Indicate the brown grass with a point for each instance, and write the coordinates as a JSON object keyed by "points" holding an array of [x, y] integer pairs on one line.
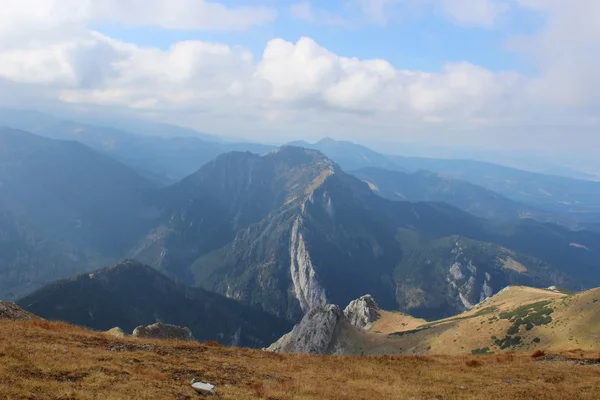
{"points": [[42, 360], [473, 363]]}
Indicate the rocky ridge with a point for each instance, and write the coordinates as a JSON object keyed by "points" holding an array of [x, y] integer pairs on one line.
{"points": [[329, 330]]}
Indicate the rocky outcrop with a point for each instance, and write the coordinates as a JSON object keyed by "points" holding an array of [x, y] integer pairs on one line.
{"points": [[13, 312], [362, 312], [314, 334], [163, 331], [467, 285], [308, 291]]}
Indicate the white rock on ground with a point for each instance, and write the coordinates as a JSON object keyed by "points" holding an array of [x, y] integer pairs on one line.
{"points": [[205, 389]]}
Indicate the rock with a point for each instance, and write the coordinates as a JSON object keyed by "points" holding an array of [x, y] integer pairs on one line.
{"points": [[163, 331], [117, 332], [205, 389], [314, 334], [13, 312], [362, 312]]}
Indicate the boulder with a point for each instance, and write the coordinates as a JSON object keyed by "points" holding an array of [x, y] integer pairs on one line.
{"points": [[117, 332], [205, 389], [362, 312], [163, 331]]}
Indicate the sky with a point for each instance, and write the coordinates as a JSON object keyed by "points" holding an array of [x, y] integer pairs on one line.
{"points": [[496, 74]]}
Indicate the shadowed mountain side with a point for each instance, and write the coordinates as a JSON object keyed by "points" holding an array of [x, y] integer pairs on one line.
{"points": [[130, 294]]}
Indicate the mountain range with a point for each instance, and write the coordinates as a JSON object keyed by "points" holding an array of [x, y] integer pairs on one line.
{"points": [[290, 230], [567, 197], [161, 158], [285, 232]]}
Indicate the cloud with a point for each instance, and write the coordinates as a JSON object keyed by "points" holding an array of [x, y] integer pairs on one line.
{"points": [[305, 11], [376, 10], [469, 13], [565, 52], [474, 13], [173, 14]]}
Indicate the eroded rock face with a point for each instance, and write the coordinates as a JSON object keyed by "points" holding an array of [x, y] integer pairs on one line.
{"points": [[308, 291], [362, 312], [163, 331], [13, 312], [314, 334]]}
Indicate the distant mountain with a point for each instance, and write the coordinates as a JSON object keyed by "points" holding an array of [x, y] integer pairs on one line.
{"points": [[130, 294], [348, 155], [63, 207], [161, 158], [580, 198], [430, 186], [290, 230]]}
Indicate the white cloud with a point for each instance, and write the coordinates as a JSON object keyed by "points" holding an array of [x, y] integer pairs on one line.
{"points": [[565, 51], [173, 14]]}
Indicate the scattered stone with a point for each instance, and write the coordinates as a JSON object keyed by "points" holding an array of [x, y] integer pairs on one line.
{"points": [[205, 389], [362, 312], [163, 331], [131, 347]]}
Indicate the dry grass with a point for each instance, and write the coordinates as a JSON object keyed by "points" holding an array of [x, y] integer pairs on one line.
{"points": [[44, 360]]}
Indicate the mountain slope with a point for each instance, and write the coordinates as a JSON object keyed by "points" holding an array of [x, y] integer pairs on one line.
{"points": [[161, 152], [130, 294], [430, 186], [290, 230], [552, 193], [63, 207], [518, 318]]}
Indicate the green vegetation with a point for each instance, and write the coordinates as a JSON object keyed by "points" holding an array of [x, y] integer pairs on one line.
{"points": [[485, 350], [508, 341], [529, 315]]}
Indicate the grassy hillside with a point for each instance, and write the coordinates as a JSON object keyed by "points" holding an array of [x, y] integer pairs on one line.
{"points": [[45, 360], [518, 318]]}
